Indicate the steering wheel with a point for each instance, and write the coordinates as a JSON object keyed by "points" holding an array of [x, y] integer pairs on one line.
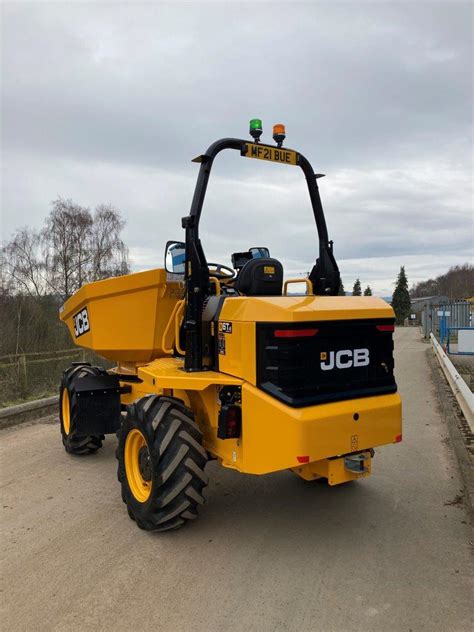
{"points": [[221, 272]]}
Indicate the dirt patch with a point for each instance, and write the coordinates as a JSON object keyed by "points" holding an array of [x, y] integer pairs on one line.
{"points": [[457, 501]]}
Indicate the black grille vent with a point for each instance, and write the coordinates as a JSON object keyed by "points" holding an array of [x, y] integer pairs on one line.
{"points": [[289, 359]]}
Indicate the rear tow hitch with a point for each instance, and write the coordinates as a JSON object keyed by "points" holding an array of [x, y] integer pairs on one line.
{"points": [[355, 463]]}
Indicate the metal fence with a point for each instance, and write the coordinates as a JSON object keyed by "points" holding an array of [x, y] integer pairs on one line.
{"points": [[437, 319], [459, 341]]}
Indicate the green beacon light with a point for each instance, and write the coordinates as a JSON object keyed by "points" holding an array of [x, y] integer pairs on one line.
{"points": [[256, 129]]}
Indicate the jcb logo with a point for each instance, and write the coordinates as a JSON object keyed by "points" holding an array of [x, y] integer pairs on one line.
{"points": [[344, 359], [81, 322]]}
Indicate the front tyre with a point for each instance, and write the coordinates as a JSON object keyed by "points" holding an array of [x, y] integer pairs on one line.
{"points": [[68, 413], [161, 463]]}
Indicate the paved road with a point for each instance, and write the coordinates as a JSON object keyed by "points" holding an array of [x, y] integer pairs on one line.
{"points": [[268, 554]]}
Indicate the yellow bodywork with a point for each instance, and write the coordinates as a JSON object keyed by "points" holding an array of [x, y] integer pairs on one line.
{"points": [[275, 435], [128, 317], [294, 309]]}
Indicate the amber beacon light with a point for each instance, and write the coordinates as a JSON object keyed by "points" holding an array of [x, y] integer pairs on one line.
{"points": [[279, 134]]}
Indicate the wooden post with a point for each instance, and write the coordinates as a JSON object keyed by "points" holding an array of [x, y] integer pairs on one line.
{"points": [[22, 376]]}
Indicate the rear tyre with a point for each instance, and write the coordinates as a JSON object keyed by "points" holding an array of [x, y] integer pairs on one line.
{"points": [[161, 463], [75, 444]]}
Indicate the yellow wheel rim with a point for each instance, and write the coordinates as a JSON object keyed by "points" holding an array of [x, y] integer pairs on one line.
{"points": [[66, 411], [135, 453]]}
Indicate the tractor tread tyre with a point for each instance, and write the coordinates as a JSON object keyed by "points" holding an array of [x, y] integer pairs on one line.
{"points": [[177, 458], [77, 444]]}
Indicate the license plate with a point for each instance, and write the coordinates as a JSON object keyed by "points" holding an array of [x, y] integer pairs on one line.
{"points": [[275, 154]]}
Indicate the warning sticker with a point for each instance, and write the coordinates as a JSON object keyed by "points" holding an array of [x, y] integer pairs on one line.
{"points": [[221, 344], [225, 327]]}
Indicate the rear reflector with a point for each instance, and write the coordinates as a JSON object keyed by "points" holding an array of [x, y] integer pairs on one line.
{"points": [[295, 333], [386, 327], [302, 459], [398, 438]]}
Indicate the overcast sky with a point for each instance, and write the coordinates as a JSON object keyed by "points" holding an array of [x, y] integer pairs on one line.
{"points": [[108, 103]]}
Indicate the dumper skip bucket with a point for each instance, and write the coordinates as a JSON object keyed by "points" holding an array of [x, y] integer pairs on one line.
{"points": [[124, 318]]}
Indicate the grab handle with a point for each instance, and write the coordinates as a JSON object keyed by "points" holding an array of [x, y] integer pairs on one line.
{"points": [[309, 286], [175, 319]]}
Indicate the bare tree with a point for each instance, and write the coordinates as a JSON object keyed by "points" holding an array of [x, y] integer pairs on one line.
{"points": [[66, 240], [38, 269], [109, 253], [6, 281], [24, 265], [74, 247]]}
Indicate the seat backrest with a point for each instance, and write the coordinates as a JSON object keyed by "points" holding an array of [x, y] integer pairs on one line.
{"points": [[260, 277]]}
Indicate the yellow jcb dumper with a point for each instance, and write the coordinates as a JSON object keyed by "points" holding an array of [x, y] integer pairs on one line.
{"points": [[214, 362]]}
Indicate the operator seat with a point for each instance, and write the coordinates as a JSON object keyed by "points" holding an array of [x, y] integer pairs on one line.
{"points": [[260, 277]]}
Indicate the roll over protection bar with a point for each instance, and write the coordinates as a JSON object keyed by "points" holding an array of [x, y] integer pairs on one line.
{"points": [[324, 276]]}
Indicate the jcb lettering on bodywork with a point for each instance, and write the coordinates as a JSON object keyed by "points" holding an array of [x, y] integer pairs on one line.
{"points": [[81, 322], [344, 359]]}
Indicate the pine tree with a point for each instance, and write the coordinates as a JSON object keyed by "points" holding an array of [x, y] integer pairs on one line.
{"points": [[341, 291], [357, 290], [401, 299], [368, 291]]}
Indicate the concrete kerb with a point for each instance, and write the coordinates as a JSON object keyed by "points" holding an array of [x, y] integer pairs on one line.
{"points": [[14, 415], [447, 404]]}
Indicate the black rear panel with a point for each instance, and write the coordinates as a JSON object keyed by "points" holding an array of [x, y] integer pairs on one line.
{"points": [[311, 363]]}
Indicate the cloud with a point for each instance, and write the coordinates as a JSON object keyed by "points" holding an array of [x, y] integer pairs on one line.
{"points": [[110, 105]]}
